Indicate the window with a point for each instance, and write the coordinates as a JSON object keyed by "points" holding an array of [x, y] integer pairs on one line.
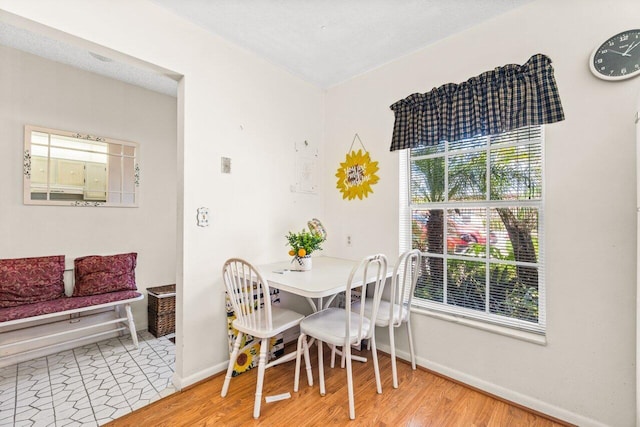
{"points": [[475, 210]]}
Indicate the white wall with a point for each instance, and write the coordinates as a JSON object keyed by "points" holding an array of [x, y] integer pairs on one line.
{"points": [[40, 92], [224, 88], [585, 372]]}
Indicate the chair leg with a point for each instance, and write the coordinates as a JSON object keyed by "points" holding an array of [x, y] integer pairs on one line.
{"points": [[346, 353], [333, 356], [321, 368], [376, 367], [296, 378], [411, 350], [392, 344], [307, 362], [262, 363], [232, 362]]}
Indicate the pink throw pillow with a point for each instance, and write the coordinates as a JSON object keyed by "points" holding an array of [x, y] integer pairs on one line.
{"points": [[102, 274], [29, 280]]}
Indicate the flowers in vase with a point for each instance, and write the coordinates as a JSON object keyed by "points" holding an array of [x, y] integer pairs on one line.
{"points": [[303, 243]]}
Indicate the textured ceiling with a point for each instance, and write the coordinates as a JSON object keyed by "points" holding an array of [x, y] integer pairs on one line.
{"points": [[324, 42], [70, 54], [329, 41]]}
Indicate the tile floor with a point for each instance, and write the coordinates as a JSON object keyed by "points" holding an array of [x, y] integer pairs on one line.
{"points": [[89, 385]]}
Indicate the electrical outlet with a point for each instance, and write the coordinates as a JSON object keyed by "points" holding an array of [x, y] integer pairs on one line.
{"points": [[203, 217], [349, 240]]}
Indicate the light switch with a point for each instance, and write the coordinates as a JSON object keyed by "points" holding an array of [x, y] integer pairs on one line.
{"points": [[225, 165]]}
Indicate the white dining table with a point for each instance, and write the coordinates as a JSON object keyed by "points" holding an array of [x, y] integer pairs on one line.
{"points": [[320, 285]]}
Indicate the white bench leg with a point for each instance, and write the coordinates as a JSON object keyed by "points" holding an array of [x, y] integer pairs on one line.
{"points": [[132, 325], [118, 311]]}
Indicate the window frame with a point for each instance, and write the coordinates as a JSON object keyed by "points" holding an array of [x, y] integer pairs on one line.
{"points": [[453, 312]]}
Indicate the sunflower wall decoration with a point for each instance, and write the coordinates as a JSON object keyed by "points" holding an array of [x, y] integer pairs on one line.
{"points": [[357, 173]]}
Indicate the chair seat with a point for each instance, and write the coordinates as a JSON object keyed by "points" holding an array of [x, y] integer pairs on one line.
{"points": [[329, 326], [399, 313], [282, 319]]}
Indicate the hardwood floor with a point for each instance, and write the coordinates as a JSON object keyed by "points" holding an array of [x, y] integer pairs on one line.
{"points": [[422, 399]]}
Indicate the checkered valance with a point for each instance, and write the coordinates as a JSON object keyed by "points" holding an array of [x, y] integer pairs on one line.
{"points": [[494, 102]]}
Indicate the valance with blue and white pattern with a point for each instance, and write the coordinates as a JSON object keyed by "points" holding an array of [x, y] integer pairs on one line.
{"points": [[494, 102]]}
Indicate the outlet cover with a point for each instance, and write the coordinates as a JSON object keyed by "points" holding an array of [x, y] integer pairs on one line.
{"points": [[203, 217]]}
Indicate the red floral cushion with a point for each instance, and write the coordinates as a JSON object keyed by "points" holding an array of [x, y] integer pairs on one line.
{"points": [[101, 274], [29, 280], [62, 304]]}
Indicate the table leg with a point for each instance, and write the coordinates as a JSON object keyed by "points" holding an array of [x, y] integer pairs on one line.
{"points": [[313, 304]]}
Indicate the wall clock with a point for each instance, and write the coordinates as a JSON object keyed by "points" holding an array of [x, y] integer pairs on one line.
{"points": [[617, 58]]}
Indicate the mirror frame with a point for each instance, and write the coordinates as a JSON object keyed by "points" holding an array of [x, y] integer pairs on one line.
{"points": [[27, 169]]}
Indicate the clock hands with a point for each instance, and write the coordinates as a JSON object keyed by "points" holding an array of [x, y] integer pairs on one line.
{"points": [[621, 53], [631, 47]]}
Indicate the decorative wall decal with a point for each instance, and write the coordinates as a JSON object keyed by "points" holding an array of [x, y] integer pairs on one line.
{"points": [[357, 173], [80, 203], [26, 164], [136, 175], [306, 167], [89, 137]]}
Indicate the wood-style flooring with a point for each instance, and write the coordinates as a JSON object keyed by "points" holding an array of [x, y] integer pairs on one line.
{"points": [[422, 399]]}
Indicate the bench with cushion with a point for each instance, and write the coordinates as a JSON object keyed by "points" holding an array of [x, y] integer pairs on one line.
{"points": [[38, 318]]}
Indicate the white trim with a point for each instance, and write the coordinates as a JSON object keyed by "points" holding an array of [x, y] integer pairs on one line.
{"points": [[484, 326], [404, 243], [182, 382], [637, 123]]}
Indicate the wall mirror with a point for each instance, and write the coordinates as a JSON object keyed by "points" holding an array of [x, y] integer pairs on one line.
{"points": [[73, 169]]}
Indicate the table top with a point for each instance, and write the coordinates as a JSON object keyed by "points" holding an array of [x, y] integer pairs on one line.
{"points": [[328, 276]]}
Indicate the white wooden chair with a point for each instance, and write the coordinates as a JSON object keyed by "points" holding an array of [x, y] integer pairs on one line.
{"points": [[396, 311], [346, 327], [248, 292]]}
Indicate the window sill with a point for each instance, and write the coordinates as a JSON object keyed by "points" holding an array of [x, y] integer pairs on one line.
{"points": [[496, 329]]}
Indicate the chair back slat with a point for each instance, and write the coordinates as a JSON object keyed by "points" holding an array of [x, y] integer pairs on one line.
{"points": [[249, 294], [403, 283], [371, 271]]}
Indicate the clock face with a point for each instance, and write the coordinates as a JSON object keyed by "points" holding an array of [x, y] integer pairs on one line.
{"points": [[618, 58]]}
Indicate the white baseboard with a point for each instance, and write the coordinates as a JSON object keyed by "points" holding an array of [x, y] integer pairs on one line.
{"points": [[496, 390], [179, 382]]}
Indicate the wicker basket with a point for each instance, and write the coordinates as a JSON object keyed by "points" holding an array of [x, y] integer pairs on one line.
{"points": [[161, 310], [162, 299]]}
